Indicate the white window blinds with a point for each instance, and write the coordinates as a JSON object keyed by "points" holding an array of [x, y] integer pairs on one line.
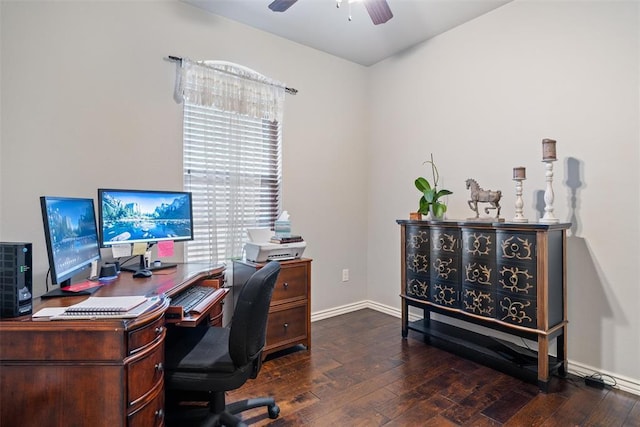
{"points": [[232, 166]]}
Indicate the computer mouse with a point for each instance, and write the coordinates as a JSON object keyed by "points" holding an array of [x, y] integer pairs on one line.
{"points": [[142, 273]]}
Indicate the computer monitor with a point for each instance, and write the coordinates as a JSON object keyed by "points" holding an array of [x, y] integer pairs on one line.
{"points": [[144, 216], [71, 237]]}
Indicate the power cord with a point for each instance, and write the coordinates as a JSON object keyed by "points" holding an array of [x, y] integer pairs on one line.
{"points": [[597, 380]]}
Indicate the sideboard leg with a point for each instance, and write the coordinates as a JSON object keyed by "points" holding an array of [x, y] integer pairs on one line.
{"points": [[543, 362], [561, 343], [405, 319]]}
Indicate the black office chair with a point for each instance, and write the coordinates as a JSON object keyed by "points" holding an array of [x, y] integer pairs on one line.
{"points": [[203, 363]]}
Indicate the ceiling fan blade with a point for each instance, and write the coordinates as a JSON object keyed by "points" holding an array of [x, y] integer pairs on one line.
{"points": [[379, 11], [281, 5]]}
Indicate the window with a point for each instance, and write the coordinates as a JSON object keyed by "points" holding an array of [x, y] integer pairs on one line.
{"points": [[232, 153], [232, 166]]}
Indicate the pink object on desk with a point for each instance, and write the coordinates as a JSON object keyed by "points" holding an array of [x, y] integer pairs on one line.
{"points": [[77, 287], [165, 248]]}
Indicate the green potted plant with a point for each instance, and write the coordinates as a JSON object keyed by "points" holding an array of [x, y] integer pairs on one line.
{"points": [[430, 199]]}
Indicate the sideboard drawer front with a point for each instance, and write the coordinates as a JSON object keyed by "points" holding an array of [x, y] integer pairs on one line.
{"points": [[516, 310], [516, 247], [145, 373], [444, 294], [291, 284], [479, 301], [418, 262], [417, 287], [517, 278], [445, 241], [417, 239], [479, 244], [445, 268], [287, 325], [478, 272]]}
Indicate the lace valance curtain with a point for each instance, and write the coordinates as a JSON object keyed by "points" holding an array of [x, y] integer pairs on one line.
{"points": [[230, 87]]}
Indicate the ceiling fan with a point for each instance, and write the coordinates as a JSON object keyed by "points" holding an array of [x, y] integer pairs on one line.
{"points": [[378, 10]]}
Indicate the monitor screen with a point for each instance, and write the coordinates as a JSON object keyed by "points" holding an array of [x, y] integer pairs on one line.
{"points": [[71, 236], [137, 216]]}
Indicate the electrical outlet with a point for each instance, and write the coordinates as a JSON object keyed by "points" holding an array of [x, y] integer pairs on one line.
{"points": [[345, 275]]}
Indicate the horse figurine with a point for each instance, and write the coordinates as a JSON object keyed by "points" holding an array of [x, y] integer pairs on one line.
{"points": [[480, 195]]}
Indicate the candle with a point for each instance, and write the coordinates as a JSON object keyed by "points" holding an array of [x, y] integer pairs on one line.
{"points": [[548, 149], [519, 173]]}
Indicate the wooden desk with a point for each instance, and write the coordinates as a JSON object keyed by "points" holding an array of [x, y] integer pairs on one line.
{"points": [[92, 372]]}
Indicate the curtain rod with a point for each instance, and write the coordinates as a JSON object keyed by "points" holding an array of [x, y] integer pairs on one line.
{"points": [[289, 90]]}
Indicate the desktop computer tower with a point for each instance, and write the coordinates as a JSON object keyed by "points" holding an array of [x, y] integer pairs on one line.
{"points": [[16, 284]]}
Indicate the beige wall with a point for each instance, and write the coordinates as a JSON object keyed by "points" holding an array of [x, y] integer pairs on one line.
{"points": [[481, 98], [87, 103]]}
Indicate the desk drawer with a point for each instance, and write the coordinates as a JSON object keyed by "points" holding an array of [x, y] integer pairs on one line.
{"points": [[145, 335], [151, 414], [291, 284], [286, 326], [144, 373]]}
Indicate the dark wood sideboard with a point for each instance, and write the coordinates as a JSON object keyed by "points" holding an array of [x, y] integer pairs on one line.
{"points": [[506, 277]]}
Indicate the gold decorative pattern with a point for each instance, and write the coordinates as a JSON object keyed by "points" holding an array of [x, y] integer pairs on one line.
{"points": [[443, 267], [518, 279], [445, 242], [516, 247], [478, 273], [445, 295], [515, 310], [418, 288], [416, 240], [418, 263], [481, 244], [481, 303]]}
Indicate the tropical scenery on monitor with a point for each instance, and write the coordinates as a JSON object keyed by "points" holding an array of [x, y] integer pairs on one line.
{"points": [[72, 228], [145, 216]]}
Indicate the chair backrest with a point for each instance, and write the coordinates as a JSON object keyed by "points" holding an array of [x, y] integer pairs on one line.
{"points": [[249, 324]]}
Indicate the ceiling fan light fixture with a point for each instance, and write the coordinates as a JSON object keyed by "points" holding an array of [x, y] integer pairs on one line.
{"points": [[281, 5], [379, 11]]}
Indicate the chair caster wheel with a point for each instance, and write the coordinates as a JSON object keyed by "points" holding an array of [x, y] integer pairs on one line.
{"points": [[274, 411]]}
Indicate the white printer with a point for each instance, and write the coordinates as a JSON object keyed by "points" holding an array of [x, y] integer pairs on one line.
{"points": [[259, 248]]}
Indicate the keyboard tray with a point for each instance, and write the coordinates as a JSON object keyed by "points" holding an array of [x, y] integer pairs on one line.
{"points": [[176, 314]]}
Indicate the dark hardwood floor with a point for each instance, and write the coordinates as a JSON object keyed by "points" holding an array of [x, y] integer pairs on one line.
{"points": [[360, 372]]}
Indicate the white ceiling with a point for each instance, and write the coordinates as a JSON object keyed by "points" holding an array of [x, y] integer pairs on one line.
{"points": [[320, 25]]}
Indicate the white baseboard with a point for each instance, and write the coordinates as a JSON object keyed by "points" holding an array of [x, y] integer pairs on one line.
{"points": [[344, 309], [622, 383], [629, 385]]}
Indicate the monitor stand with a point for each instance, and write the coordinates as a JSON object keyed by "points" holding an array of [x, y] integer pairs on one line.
{"points": [[62, 292], [151, 268]]}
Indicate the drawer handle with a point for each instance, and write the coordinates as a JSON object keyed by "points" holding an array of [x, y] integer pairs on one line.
{"points": [[159, 367], [286, 325], [159, 414], [159, 330], [286, 285]]}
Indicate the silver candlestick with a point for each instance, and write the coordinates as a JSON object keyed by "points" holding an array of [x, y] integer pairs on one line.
{"points": [[519, 175], [548, 157]]}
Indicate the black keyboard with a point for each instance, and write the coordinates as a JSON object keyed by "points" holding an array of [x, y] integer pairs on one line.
{"points": [[191, 297]]}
